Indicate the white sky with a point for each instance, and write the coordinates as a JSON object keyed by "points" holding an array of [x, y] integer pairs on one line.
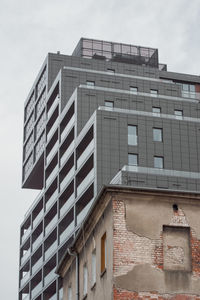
{"points": [[29, 29]]}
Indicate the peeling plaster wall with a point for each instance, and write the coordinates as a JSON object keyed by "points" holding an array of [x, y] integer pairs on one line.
{"points": [[139, 250]]}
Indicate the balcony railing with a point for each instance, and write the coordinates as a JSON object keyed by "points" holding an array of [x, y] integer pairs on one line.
{"points": [[26, 297], [25, 256], [67, 153], [53, 106], [54, 297], [67, 128], [38, 218], [53, 128], [67, 204], [52, 152], [37, 265], [67, 232], [36, 290], [49, 277], [37, 242], [52, 199], [83, 213], [26, 234], [52, 175], [25, 278], [51, 224], [85, 154], [88, 179], [67, 178], [50, 250]]}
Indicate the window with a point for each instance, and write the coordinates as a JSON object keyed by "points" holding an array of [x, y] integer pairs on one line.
{"points": [[109, 104], [69, 293], [132, 159], [157, 135], [178, 113], [85, 280], [90, 83], [93, 267], [158, 162], [133, 89], [154, 93], [103, 253], [111, 71], [132, 135], [156, 110]]}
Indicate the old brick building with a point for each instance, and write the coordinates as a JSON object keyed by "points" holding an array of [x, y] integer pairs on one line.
{"points": [[136, 243]]}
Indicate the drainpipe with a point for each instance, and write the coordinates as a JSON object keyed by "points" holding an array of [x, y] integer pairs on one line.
{"points": [[74, 253]]}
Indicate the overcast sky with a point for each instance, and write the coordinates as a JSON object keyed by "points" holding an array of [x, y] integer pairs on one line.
{"points": [[29, 29]]}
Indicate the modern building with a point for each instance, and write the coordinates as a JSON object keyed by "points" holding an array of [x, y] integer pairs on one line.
{"points": [[135, 243], [108, 113]]}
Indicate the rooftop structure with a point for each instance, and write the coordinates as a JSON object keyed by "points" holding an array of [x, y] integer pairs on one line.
{"points": [[109, 113]]}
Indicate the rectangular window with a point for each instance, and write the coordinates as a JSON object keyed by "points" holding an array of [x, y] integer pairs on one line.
{"points": [[103, 253], [133, 89], [154, 93], [85, 280], [157, 135], [158, 162], [109, 104], [93, 267], [69, 293], [132, 159], [90, 83], [132, 135], [111, 71], [156, 110], [178, 113]]}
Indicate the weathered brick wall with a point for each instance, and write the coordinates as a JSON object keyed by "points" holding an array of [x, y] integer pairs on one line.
{"points": [[131, 249]]}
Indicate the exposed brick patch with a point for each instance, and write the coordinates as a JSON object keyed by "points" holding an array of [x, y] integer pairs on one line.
{"points": [[120, 294], [195, 249]]}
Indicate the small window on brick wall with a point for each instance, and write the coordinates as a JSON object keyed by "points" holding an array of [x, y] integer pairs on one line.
{"points": [[103, 253]]}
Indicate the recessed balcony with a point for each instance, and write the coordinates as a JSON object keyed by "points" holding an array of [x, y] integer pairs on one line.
{"points": [[38, 218], [50, 250], [67, 128], [51, 224], [52, 175], [37, 242], [37, 265], [52, 199], [67, 205], [52, 152], [67, 153], [86, 153], [36, 290], [49, 277], [67, 178], [67, 232], [25, 256], [25, 278], [86, 181], [26, 234]]}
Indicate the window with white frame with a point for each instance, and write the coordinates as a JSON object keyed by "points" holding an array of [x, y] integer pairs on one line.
{"points": [[132, 159], [178, 113], [90, 83], [156, 110], [158, 162], [85, 279], [69, 293], [154, 93], [93, 267], [132, 135], [109, 104], [157, 135], [133, 89]]}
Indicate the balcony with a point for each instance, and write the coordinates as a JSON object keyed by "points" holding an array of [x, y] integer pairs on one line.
{"points": [[52, 108], [67, 205], [25, 256], [52, 175], [67, 232], [53, 128], [50, 250], [37, 265], [52, 152], [86, 181], [86, 153], [67, 128], [67, 178], [49, 277], [26, 297], [25, 278], [54, 297], [26, 234], [51, 224], [38, 218], [83, 213], [36, 290], [52, 199], [37, 242], [67, 153]]}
